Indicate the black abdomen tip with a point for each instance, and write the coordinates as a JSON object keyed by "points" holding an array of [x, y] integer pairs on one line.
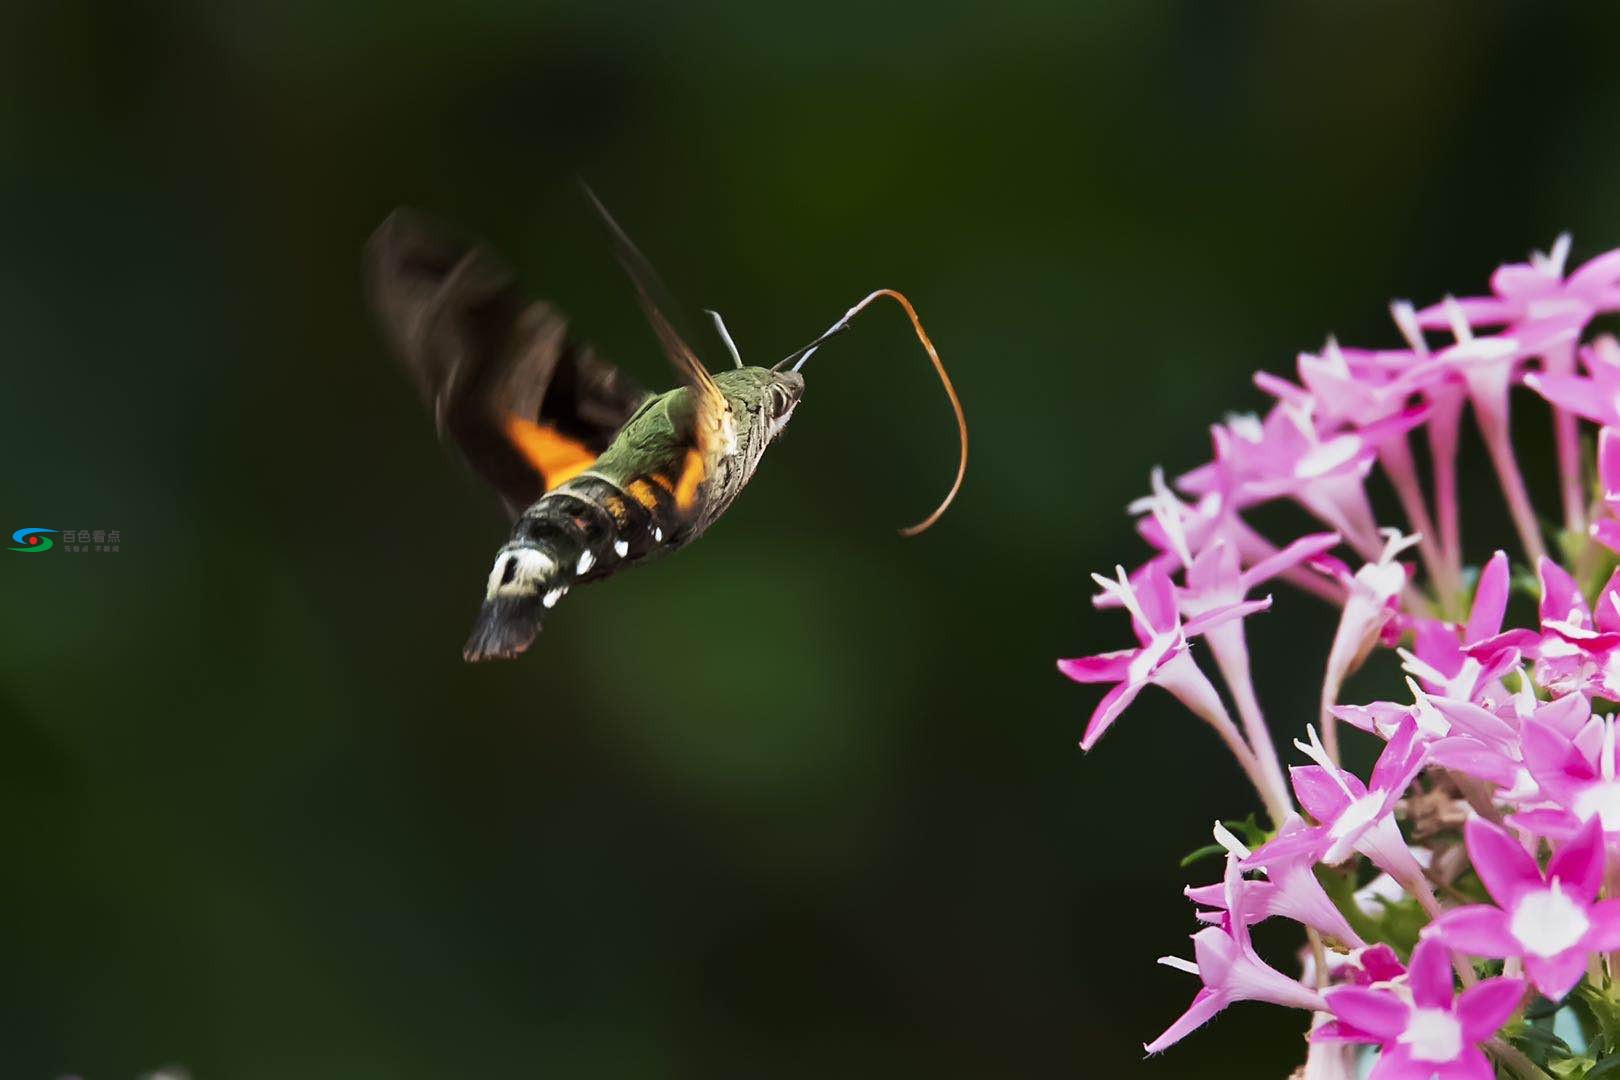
{"points": [[505, 627]]}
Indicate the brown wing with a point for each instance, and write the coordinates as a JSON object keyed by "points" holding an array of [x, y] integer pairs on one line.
{"points": [[714, 432], [528, 405]]}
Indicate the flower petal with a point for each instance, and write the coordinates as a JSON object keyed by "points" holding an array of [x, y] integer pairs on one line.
{"points": [[1429, 975], [1484, 1008], [1555, 976], [1377, 1012], [1500, 861], [1561, 599], [1490, 599], [1103, 667], [1320, 794], [1209, 620], [1604, 933], [1579, 863], [1478, 929], [1158, 599], [1203, 1008], [1400, 761], [1108, 710]]}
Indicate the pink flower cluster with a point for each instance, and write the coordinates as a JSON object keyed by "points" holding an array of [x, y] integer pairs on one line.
{"points": [[1476, 869]]}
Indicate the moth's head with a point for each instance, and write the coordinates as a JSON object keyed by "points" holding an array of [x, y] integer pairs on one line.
{"points": [[765, 397]]}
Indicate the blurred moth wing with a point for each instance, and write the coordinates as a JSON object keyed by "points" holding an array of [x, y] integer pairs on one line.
{"points": [[524, 402]]}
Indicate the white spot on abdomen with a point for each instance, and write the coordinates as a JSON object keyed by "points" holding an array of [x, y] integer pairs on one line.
{"points": [[527, 567], [621, 548], [586, 561]]}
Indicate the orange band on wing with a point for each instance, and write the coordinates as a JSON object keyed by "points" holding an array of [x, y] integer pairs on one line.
{"points": [[557, 458], [692, 474]]}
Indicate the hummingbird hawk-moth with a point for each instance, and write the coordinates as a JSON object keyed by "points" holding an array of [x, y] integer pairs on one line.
{"points": [[598, 473]]}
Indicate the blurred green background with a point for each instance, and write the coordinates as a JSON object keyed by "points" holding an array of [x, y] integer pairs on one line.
{"points": [[259, 819]]}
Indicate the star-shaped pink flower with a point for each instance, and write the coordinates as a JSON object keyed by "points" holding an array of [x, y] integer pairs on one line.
{"points": [[1231, 970], [1160, 656], [1430, 1034], [1553, 920]]}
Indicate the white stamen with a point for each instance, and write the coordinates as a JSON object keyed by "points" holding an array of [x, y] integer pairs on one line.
{"points": [[1233, 846], [1429, 720], [1606, 761], [1179, 964], [1167, 512], [1414, 666], [1406, 321], [1459, 321], [586, 561], [1553, 264], [1396, 542], [1318, 753], [1122, 591], [1246, 426], [621, 548]]}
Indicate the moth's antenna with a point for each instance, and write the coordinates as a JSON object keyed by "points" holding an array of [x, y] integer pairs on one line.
{"points": [[725, 335], [799, 356]]}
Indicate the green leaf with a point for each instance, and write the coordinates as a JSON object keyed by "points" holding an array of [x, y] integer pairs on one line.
{"points": [[1541, 1044], [1605, 1011], [1606, 1067], [1201, 853], [1251, 832], [1541, 1008]]}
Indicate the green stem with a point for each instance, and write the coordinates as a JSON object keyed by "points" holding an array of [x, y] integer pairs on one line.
{"points": [[1515, 1059]]}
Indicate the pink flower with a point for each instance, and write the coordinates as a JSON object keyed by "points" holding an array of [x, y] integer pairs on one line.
{"points": [[1578, 646], [1160, 657], [1217, 581], [1351, 387], [1577, 775], [1353, 817], [1481, 744], [1374, 964], [1537, 292], [1286, 456], [1461, 662], [1503, 713], [1371, 605], [1291, 891], [1552, 920], [1176, 529], [1607, 530], [1231, 970], [1431, 1035], [1595, 395]]}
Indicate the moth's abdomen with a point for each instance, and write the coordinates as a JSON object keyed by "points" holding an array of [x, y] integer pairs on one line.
{"points": [[585, 529]]}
